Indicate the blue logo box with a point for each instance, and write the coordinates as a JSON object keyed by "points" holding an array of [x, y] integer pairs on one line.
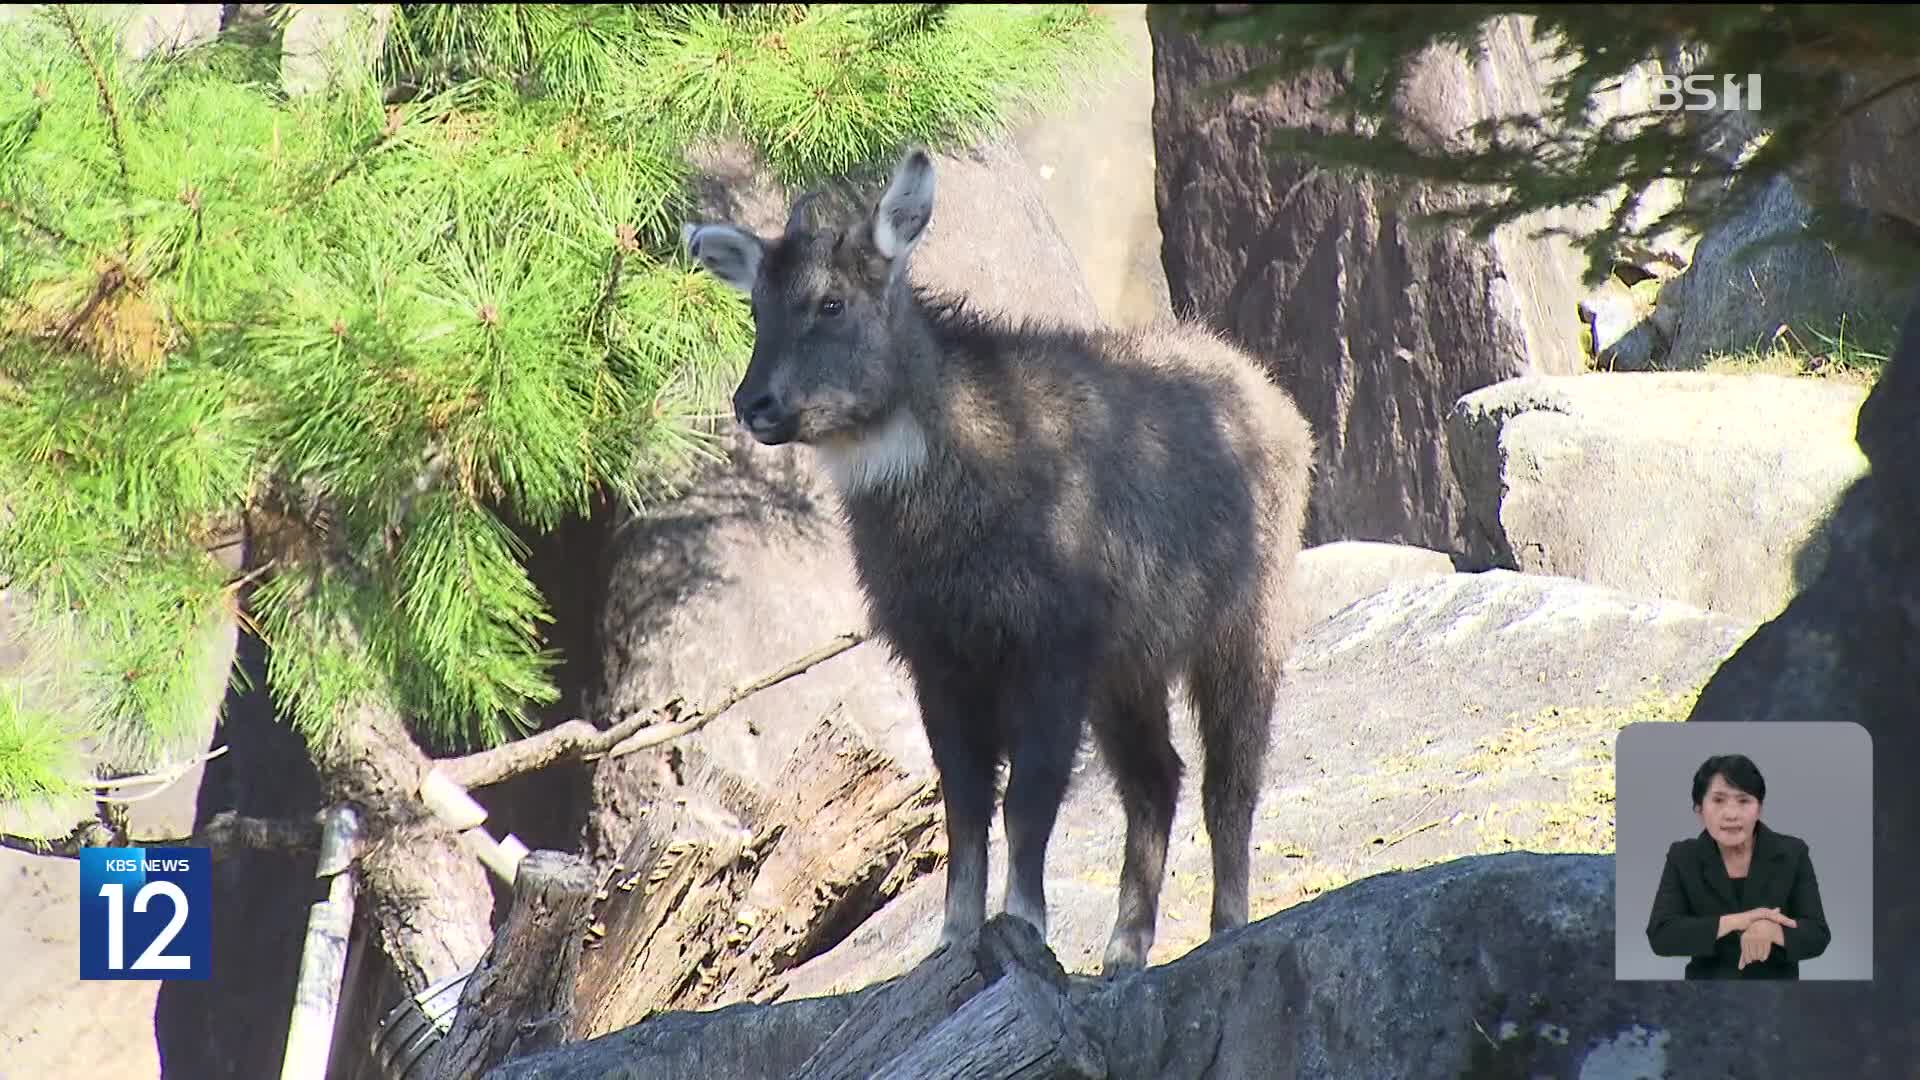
{"points": [[146, 913]]}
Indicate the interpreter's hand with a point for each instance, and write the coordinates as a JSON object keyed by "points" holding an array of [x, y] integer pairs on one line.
{"points": [[1764, 914], [1758, 940]]}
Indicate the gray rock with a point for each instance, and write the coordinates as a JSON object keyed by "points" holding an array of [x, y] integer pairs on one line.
{"points": [[1494, 966], [1095, 166], [1625, 335], [320, 38], [1759, 271], [1847, 649], [1329, 577], [167, 28], [1693, 487], [144, 29], [1870, 159]]}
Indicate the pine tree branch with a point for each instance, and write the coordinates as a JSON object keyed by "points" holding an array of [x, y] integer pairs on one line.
{"points": [[112, 112], [353, 162], [626, 242], [13, 210], [579, 739]]}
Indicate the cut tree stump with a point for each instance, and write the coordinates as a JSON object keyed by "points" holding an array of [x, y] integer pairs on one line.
{"points": [[1020, 1028], [521, 996], [690, 922], [923, 1020]]}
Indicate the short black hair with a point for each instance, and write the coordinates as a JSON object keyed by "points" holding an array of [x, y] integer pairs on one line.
{"points": [[1740, 771]]}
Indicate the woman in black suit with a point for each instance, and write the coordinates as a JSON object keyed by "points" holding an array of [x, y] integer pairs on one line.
{"points": [[1740, 900]]}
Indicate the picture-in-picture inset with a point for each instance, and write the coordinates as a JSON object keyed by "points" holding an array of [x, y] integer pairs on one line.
{"points": [[1744, 851]]}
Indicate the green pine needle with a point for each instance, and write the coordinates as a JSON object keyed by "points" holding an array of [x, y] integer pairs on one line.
{"points": [[388, 324], [39, 756]]}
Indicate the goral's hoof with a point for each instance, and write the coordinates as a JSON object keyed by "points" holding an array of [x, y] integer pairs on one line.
{"points": [[1124, 957]]}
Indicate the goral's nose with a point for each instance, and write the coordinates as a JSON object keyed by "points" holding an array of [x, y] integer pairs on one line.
{"points": [[767, 421]]}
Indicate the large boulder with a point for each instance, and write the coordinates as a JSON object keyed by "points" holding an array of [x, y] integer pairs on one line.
{"points": [[1694, 487], [145, 29], [1376, 328], [1441, 716], [1770, 271], [1490, 967], [1328, 577], [319, 39], [1847, 649], [1762, 274], [1869, 157], [750, 567]]}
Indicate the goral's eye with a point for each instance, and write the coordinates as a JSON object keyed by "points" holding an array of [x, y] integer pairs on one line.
{"points": [[831, 306]]}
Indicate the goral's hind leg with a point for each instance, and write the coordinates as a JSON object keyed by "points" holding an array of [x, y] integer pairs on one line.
{"points": [[1132, 732], [1233, 686]]}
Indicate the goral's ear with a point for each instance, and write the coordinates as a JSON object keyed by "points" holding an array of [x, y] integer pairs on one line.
{"points": [[900, 220], [729, 253]]}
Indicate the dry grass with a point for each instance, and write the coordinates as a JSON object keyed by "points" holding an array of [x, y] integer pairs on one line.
{"points": [[1847, 355], [1576, 747], [1543, 783]]}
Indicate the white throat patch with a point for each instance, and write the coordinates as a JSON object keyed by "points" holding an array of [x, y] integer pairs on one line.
{"points": [[890, 453]]}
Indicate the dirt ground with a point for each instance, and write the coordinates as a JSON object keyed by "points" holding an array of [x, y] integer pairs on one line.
{"points": [[53, 1026]]}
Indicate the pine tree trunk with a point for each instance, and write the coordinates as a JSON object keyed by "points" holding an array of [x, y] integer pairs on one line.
{"points": [[424, 891]]}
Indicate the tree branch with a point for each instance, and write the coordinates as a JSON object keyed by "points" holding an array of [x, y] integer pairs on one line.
{"points": [[667, 732], [580, 739], [113, 121], [164, 779], [14, 210], [226, 830]]}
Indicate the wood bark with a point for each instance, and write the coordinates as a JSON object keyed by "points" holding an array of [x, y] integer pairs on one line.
{"points": [[890, 1023], [422, 889], [693, 922], [226, 831], [1020, 1028], [997, 1006], [521, 996]]}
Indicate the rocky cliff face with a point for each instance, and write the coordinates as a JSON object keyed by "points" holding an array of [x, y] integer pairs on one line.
{"points": [[1377, 329]]}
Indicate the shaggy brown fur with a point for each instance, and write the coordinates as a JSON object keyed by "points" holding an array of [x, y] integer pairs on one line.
{"points": [[1051, 526]]}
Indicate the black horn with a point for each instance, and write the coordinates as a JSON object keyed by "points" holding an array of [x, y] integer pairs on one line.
{"points": [[801, 218]]}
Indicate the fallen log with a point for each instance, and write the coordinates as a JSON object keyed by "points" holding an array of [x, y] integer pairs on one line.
{"points": [[692, 921]]}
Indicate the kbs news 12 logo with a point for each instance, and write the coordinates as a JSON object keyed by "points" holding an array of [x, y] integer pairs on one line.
{"points": [[1707, 93], [146, 913]]}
